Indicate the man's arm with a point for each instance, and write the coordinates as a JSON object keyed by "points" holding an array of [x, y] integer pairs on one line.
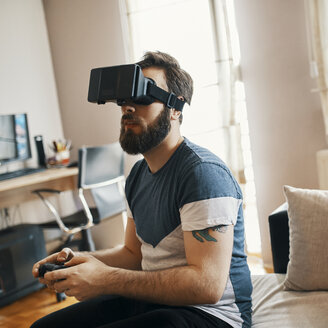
{"points": [[127, 256], [201, 281]]}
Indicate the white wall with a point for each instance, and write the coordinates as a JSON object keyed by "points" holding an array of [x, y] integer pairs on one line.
{"points": [[285, 118], [27, 83], [85, 34]]}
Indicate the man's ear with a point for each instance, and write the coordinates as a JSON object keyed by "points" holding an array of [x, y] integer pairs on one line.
{"points": [[175, 114]]}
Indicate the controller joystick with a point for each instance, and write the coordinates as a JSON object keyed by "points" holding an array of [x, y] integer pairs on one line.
{"points": [[49, 267]]}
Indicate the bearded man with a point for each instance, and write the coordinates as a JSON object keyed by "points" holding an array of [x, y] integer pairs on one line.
{"points": [[183, 262]]}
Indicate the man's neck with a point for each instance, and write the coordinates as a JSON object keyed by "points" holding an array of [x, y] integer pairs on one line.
{"points": [[158, 156]]}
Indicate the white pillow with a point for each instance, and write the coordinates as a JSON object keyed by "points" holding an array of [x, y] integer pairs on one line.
{"points": [[308, 238]]}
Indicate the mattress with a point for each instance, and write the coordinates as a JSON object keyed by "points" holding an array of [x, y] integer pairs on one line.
{"points": [[274, 307]]}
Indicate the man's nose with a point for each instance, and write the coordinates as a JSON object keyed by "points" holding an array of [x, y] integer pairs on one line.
{"points": [[128, 108]]}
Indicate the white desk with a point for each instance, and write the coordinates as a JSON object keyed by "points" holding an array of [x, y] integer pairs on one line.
{"points": [[18, 190]]}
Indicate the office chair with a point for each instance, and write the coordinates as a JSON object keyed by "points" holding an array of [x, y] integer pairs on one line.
{"points": [[101, 171]]}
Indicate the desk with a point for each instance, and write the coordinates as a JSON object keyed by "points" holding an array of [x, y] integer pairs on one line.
{"points": [[18, 190]]}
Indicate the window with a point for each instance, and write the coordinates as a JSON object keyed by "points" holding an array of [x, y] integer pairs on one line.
{"points": [[202, 36]]}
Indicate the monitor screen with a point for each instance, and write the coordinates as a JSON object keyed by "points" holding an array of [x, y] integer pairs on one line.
{"points": [[14, 138]]}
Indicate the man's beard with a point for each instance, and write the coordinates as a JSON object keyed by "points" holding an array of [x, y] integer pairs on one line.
{"points": [[151, 135]]}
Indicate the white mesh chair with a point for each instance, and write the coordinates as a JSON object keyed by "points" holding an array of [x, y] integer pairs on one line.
{"points": [[101, 171]]}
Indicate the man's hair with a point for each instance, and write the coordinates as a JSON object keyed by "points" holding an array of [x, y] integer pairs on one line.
{"points": [[178, 80]]}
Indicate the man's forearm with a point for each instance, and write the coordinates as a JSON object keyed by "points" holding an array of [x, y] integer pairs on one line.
{"points": [[186, 285], [118, 257]]}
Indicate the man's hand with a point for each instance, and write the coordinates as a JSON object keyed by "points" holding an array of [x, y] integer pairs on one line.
{"points": [[64, 255], [85, 277]]}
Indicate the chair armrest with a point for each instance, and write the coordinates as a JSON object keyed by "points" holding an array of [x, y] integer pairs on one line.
{"points": [[51, 207]]}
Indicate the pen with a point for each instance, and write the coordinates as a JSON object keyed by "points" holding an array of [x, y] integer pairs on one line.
{"points": [[55, 145], [68, 144]]}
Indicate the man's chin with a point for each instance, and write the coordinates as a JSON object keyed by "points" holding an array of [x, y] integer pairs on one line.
{"points": [[130, 150], [129, 145]]}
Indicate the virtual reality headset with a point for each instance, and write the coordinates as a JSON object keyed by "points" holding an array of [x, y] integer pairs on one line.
{"points": [[126, 83]]}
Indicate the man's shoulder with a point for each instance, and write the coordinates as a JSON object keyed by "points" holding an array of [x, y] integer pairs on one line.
{"points": [[194, 155], [203, 168]]}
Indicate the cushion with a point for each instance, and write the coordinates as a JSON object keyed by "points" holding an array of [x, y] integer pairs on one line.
{"points": [[308, 224]]}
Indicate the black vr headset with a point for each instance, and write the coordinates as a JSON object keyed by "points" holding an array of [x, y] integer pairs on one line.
{"points": [[126, 83]]}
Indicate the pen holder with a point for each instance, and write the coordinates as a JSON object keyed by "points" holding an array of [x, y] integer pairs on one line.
{"points": [[62, 157], [61, 153]]}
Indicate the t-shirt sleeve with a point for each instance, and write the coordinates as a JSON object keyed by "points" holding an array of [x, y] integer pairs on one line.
{"points": [[208, 196]]}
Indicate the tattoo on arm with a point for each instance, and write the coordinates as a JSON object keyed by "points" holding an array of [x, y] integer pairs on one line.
{"points": [[202, 235]]}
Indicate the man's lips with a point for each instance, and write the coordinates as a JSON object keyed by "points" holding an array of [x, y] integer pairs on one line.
{"points": [[129, 124]]}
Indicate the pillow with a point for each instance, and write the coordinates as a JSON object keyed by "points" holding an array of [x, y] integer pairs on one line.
{"points": [[308, 239]]}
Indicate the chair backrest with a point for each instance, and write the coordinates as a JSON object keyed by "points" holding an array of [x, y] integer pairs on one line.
{"points": [[99, 164], [101, 170]]}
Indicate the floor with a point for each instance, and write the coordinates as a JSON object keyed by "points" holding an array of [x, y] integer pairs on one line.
{"points": [[23, 312], [256, 266], [26, 310]]}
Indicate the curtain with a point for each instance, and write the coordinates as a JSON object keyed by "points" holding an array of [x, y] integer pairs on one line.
{"points": [[317, 23], [229, 74]]}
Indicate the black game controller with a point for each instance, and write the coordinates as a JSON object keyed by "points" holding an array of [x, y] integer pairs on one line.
{"points": [[49, 267]]}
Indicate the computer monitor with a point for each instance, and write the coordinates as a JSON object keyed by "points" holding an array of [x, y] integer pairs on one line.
{"points": [[14, 138]]}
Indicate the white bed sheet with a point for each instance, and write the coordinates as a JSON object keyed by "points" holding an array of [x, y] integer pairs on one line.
{"points": [[275, 308]]}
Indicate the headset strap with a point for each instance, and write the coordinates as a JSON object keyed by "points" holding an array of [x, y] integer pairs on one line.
{"points": [[169, 99]]}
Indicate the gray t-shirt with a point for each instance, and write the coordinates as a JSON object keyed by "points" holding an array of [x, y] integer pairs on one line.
{"points": [[194, 190]]}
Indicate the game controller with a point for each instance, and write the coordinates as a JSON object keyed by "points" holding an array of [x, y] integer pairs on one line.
{"points": [[49, 267]]}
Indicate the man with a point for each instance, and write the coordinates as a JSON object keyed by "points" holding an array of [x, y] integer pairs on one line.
{"points": [[183, 262]]}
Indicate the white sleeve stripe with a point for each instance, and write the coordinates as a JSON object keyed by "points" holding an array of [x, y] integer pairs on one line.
{"points": [[203, 224], [209, 212]]}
